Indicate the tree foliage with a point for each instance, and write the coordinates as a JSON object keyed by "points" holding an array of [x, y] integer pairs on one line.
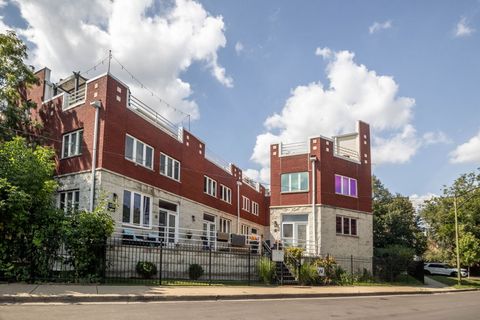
{"points": [[395, 221], [438, 214], [15, 79]]}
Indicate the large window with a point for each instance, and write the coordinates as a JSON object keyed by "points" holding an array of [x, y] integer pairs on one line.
{"points": [[72, 144], [209, 186], [225, 193], [136, 208], [245, 204], [138, 152], [255, 208], [169, 167], [225, 225], [295, 182], [346, 226], [69, 200], [345, 186]]}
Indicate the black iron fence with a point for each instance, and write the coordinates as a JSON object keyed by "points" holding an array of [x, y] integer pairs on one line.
{"points": [[120, 260]]}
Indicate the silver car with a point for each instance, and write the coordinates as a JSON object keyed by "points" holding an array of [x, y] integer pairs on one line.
{"points": [[442, 269]]}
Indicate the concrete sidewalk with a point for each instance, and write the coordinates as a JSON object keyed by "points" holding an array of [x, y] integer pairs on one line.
{"points": [[32, 293]]}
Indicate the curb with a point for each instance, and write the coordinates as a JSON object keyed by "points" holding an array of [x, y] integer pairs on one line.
{"points": [[18, 299]]}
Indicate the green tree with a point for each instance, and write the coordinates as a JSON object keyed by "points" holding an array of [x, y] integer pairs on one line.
{"points": [[395, 222], [15, 79], [30, 226], [438, 214]]}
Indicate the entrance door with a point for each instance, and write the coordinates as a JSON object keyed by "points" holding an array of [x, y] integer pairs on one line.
{"points": [[167, 226], [209, 231], [294, 234]]}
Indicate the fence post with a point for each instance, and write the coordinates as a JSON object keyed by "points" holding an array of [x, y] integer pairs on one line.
{"points": [[248, 267], [161, 265], [209, 265], [351, 264]]}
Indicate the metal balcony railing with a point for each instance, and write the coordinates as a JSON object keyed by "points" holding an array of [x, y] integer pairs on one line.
{"points": [[287, 149], [76, 97], [346, 152]]}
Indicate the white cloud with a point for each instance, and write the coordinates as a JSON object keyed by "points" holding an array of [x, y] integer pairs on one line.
{"points": [[155, 46], [463, 29], [378, 26], [468, 152], [3, 3], [435, 138], [3, 27], [418, 200], [238, 47], [354, 93]]}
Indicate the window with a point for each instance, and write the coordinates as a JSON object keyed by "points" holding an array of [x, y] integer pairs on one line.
{"points": [[136, 208], [169, 167], [245, 204], [225, 193], [72, 144], [255, 208], [225, 225], [345, 186], [346, 226], [138, 152], [245, 229], [295, 182], [209, 186], [69, 200]]}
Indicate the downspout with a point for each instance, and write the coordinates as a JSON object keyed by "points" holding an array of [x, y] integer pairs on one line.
{"points": [[238, 206], [314, 212], [97, 105]]}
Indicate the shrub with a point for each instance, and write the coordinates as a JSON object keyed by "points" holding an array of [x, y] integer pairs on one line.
{"points": [[333, 272], [195, 271], [146, 269], [266, 270], [308, 274], [391, 261]]}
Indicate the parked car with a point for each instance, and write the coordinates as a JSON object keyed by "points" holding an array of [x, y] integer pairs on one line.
{"points": [[442, 269]]}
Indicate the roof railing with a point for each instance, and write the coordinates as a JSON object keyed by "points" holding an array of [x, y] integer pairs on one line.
{"points": [[288, 149]]}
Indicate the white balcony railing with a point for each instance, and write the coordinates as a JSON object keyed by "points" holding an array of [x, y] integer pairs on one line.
{"points": [[76, 97], [288, 149], [346, 153]]}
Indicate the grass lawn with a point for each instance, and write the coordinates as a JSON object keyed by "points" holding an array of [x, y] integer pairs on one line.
{"points": [[473, 282], [402, 280]]}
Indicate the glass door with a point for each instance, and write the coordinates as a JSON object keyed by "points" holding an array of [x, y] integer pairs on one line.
{"points": [[167, 229], [294, 234], [209, 231]]}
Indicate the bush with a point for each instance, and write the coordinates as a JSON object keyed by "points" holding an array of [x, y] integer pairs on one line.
{"points": [[391, 261], [146, 269], [333, 272], [308, 274], [195, 271], [266, 270], [85, 241]]}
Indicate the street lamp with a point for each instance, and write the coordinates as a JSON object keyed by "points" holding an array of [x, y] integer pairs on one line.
{"points": [[455, 208]]}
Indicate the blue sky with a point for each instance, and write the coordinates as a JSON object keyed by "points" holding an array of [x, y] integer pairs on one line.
{"points": [[266, 50]]}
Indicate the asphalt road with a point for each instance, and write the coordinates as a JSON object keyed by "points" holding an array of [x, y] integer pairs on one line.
{"points": [[455, 306]]}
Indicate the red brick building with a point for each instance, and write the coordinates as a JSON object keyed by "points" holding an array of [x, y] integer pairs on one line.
{"points": [[159, 179], [321, 194]]}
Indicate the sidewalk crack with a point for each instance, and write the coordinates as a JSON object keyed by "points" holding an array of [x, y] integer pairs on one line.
{"points": [[34, 289]]}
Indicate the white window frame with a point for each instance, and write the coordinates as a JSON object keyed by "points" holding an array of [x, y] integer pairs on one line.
{"points": [[349, 226], [173, 162], [142, 201], [299, 182], [134, 152], [255, 208], [73, 205], [68, 146], [245, 229], [346, 192], [225, 225], [245, 204], [225, 194], [209, 186]]}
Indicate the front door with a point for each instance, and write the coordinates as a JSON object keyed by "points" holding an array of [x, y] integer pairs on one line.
{"points": [[167, 226], [209, 231], [294, 234]]}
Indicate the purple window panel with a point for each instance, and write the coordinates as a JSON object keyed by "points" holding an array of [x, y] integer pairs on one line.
{"points": [[345, 185], [338, 184], [353, 187]]}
